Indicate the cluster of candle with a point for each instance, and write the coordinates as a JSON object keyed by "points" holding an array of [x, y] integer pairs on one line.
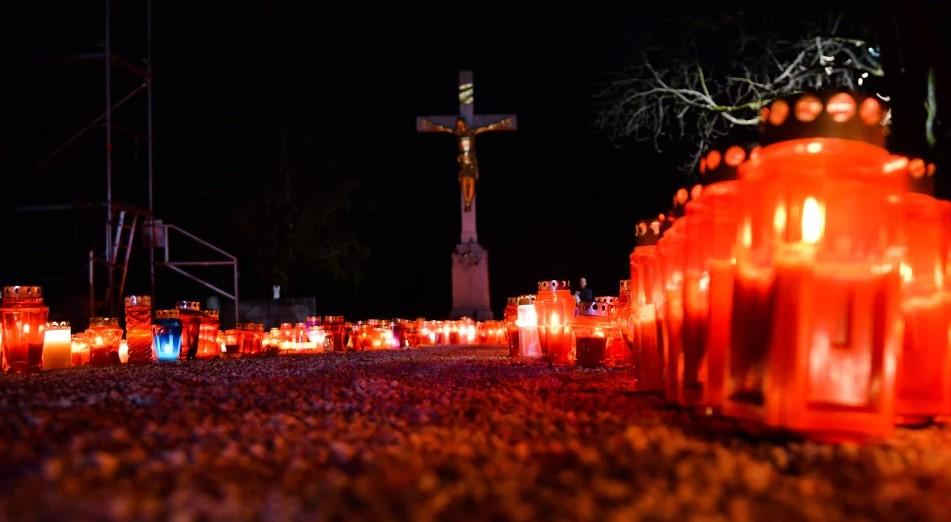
{"points": [[460, 332], [808, 294], [552, 326]]}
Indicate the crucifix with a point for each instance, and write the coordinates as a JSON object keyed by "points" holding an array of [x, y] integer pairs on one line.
{"points": [[465, 126], [470, 262]]}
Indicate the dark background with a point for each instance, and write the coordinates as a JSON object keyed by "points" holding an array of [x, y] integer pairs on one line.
{"points": [[556, 200]]}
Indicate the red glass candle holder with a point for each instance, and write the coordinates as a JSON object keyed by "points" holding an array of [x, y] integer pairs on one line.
{"points": [[923, 383], [24, 316], [208, 347], [79, 350], [720, 232], [555, 307], [190, 316], [696, 299], [138, 325], [232, 343], [816, 327], [103, 336], [595, 333], [670, 253], [616, 352], [648, 333], [510, 317], [624, 318], [251, 338]]}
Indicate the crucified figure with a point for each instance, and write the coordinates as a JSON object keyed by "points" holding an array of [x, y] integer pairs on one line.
{"points": [[468, 166]]}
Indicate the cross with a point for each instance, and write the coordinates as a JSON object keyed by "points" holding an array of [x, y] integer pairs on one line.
{"points": [[465, 126]]}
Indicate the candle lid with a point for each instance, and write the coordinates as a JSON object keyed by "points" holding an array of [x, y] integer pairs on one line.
{"points": [[526, 299], [250, 326], [834, 114], [22, 291], [193, 306], [210, 314], [138, 300], [722, 163], [103, 321], [57, 325], [625, 285], [609, 300], [511, 301], [647, 232], [553, 285], [593, 309], [167, 314]]}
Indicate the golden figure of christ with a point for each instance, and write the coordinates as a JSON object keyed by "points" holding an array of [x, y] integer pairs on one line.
{"points": [[465, 127], [468, 164]]}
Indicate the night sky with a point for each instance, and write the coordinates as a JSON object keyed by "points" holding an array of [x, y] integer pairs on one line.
{"points": [[556, 200]]}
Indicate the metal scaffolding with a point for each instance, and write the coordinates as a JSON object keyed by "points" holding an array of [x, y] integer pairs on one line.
{"points": [[124, 221]]}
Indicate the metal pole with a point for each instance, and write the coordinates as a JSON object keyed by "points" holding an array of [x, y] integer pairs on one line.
{"points": [[92, 285], [108, 245], [148, 94], [236, 312]]}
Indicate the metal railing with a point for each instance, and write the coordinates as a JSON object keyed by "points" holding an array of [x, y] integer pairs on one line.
{"points": [[181, 267]]}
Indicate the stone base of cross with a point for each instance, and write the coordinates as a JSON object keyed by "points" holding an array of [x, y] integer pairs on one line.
{"points": [[470, 283]]}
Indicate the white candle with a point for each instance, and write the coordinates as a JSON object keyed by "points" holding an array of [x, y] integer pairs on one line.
{"points": [[57, 346], [123, 351]]}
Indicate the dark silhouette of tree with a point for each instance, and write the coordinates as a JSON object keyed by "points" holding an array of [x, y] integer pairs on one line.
{"points": [[296, 197]]}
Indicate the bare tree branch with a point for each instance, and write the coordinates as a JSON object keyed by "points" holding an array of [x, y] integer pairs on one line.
{"points": [[700, 94]]}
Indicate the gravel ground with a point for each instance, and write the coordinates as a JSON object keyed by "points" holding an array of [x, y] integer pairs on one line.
{"points": [[434, 434]]}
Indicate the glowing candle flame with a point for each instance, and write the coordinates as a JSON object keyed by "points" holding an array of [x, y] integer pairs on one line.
{"points": [[906, 272], [813, 220], [779, 219], [554, 319]]}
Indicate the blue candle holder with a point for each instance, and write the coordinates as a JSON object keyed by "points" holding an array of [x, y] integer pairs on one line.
{"points": [[167, 333]]}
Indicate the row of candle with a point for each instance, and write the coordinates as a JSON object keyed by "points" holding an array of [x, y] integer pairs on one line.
{"points": [[187, 332], [809, 293]]}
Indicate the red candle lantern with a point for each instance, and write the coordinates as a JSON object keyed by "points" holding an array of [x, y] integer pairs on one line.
{"points": [[720, 232], [138, 326], [208, 347], [103, 336], [510, 316], [591, 327], [647, 300], [250, 338], [816, 318], [555, 307], [923, 386], [336, 326], [616, 352], [232, 343], [24, 316], [696, 304], [189, 313], [670, 253], [624, 317], [79, 350]]}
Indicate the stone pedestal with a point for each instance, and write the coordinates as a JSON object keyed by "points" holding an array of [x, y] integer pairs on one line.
{"points": [[470, 282]]}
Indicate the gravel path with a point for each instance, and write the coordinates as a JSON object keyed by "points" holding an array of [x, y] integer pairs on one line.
{"points": [[433, 434]]}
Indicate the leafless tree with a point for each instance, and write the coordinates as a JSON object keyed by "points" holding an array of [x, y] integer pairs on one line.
{"points": [[694, 81]]}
